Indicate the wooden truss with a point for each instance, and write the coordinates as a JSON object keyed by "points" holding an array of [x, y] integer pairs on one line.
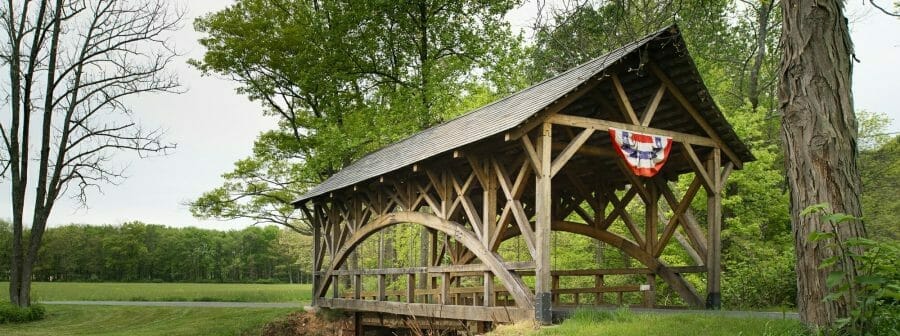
{"points": [[528, 185]]}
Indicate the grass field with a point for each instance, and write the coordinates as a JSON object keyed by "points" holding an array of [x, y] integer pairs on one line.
{"points": [[81, 291], [110, 320], [623, 323]]}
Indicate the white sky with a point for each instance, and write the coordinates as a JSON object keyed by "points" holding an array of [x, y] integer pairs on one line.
{"points": [[213, 127]]}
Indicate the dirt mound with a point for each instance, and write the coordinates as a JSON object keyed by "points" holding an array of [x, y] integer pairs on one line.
{"points": [[310, 324]]}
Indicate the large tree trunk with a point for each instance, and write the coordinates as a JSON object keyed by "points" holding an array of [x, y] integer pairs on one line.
{"points": [[819, 134]]}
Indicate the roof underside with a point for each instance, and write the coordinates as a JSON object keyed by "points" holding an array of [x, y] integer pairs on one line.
{"points": [[665, 47]]}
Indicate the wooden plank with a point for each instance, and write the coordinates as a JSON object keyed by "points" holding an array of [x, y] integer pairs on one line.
{"points": [[651, 221], [676, 92], [589, 150], [653, 106], [688, 222], [605, 125], [620, 271], [598, 283], [569, 151], [381, 288], [677, 213], [445, 288], [623, 101], [714, 220], [608, 289], [411, 288], [489, 314], [543, 208], [531, 154], [488, 292], [699, 168], [471, 268], [357, 286]]}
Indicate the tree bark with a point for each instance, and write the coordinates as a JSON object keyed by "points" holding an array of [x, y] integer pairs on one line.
{"points": [[819, 134]]}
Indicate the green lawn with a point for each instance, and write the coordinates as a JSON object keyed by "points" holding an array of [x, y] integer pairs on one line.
{"points": [[115, 320], [80, 291], [623, 323]]}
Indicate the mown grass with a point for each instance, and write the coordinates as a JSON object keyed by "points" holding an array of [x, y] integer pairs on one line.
{"points": [[119, 320], [624, 323], [80, 291]]}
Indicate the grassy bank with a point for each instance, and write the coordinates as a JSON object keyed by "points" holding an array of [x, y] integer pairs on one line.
{"points": [[79, 291], [623, 323], [110, 320]]}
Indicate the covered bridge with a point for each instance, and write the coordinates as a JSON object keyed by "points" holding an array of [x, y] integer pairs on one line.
{"points": [[560, 156]]}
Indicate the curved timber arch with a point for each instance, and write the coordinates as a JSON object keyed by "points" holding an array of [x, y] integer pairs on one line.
{"points": [[517, 289], [681, 286]]}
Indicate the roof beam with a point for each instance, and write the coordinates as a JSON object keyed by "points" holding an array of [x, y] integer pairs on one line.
{"points": [[695, 114], [604, 125]]}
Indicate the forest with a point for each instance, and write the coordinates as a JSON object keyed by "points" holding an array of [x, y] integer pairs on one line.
{"points": [[138, 252]]}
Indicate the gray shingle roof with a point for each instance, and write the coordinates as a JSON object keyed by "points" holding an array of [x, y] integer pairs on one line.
{"points": [[489, 120]]}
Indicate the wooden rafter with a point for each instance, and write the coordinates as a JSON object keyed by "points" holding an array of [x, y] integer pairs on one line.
{"points": [[623, 101], [647, 117], [686, 104]]}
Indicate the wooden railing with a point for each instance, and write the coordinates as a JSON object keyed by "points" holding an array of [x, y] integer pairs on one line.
{"points": [[444, 292]]}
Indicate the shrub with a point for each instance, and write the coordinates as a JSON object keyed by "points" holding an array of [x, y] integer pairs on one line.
{"points": [[10, 313]]}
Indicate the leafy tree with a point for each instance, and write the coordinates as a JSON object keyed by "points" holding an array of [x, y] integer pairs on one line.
{"points": [[345, 79], [72, 65]]}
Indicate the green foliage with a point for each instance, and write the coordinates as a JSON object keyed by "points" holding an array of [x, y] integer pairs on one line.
{"points": [[136, 251], [10, 313], [344, 79], [873, 287], [880, 170]]}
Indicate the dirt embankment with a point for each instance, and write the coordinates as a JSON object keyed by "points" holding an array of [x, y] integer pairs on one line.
{"points": [[310, 324]]}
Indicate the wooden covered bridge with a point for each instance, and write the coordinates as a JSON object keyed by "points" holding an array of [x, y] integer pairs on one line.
{"points": [[540, 161]]}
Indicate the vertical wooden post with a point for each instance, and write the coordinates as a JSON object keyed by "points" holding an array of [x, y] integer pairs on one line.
{"points": [[488, 289], [411, 288], [714, 221], [335, 286], [381, 296], [598, 283], [650, 235], [445, 288], [543, 206], [357, 286], [317, 248], [554, 286], [650, 294]]}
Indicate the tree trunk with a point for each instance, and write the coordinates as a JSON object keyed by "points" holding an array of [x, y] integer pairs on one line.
{"points": [[819, 134], [762, 33]]}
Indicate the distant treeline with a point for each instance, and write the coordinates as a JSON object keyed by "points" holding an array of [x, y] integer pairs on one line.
{"points": [[136, 251]]}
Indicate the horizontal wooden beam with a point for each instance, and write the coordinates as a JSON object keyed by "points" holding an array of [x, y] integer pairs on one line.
{"points": [[620, 271], [521, 265], [609, 289], [598, 124], [471, 313]]}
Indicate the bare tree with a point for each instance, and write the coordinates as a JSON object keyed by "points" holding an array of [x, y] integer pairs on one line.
{"points": [[819, 131], [72, 65]]}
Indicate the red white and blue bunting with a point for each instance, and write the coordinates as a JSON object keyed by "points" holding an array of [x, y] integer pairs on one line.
{"points": [[645, 154]]}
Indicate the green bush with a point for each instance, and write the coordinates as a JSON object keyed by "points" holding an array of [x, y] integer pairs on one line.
{"points": [[10, 313]]}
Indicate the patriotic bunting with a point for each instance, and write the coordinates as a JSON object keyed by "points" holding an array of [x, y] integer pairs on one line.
{"points": [[644, 153]]}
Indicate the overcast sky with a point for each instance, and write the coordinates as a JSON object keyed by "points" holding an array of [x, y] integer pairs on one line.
{"points": [[213, 126]]}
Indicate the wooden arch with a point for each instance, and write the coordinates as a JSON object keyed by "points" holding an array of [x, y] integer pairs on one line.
{"points": [[681, 286], [517, 289]]}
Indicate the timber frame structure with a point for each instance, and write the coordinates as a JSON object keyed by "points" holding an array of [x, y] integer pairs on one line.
{"points": [[536, 162]]}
